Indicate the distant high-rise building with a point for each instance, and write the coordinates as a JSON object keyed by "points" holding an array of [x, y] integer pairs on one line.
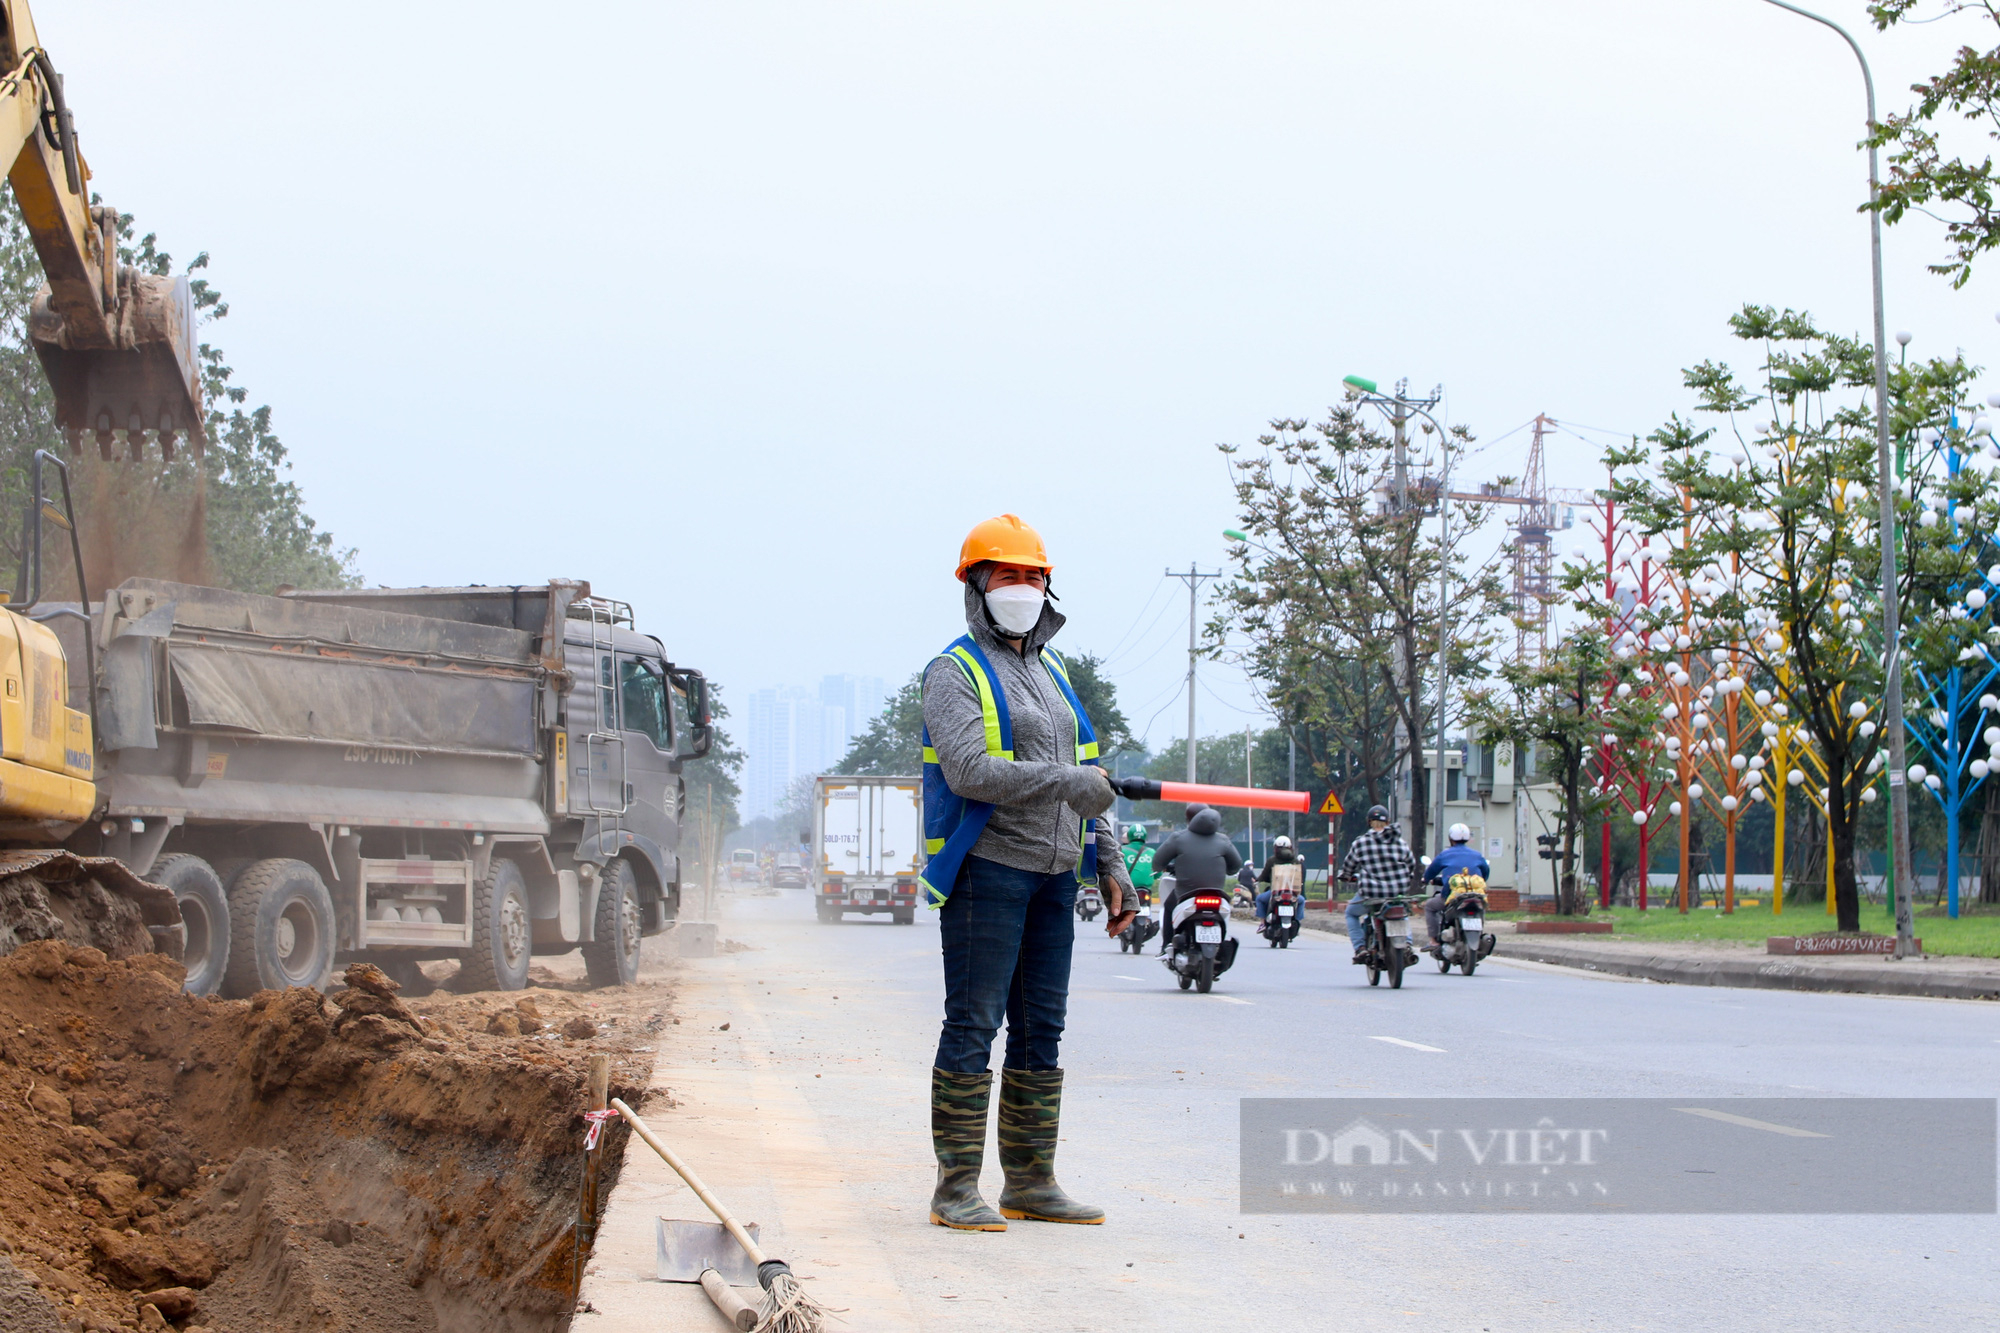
{"points": [[794, 733]]}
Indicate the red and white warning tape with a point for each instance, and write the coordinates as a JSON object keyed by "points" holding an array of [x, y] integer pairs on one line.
{"points": [[596, 1121]]}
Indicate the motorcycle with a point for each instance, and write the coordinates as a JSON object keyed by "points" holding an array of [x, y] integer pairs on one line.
{"points": [[1202, 947], [1142, 927], [1386, 947], [1089, 902], [1462, 936], [1282, 918]]}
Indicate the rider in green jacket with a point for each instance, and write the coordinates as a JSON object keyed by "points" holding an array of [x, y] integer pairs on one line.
{"points": [[1138, 856]]}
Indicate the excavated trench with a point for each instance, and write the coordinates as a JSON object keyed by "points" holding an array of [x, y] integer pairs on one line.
{"points": [[294, 1161]]}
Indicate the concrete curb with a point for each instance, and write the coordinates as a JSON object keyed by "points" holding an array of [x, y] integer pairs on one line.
{"points": [[1754, 971]]}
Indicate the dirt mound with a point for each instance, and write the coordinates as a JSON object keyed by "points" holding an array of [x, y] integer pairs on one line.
{"points": [[294, 1161]]}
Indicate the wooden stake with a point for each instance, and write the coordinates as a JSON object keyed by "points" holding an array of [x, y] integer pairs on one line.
{"points": [[599, 1079]]}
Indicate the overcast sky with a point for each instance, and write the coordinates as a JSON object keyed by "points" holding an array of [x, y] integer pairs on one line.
{"points": [[745, 312]]}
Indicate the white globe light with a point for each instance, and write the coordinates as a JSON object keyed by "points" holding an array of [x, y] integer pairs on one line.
{"points": [[1756, 793], [1763, 698], [1670, 712], [1796, 777], [1928, 435], [1610, 739], [1645, 677], [1979, 768], [1638, 816], [1934, 782], [1729, 803], [1993, 737], [1780, 709], [1623, 691], [1769, 728], [1674, 809], [1868, 796], [1993, 400], [1903, 337], [1918, 772], [1867, 729], [1694, 790], [1975, 599], [1739, 762], [1756, 763], [1683, 642], [1857, 710], [1699, 721]]}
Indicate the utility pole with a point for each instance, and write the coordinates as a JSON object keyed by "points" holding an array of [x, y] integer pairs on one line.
{"points": [[1400, 408], [1193, 578]]}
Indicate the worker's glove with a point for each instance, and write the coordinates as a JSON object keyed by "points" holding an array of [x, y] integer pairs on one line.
{"points": [[1088, 791]]}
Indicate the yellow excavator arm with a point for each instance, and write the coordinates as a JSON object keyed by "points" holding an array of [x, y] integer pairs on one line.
{"points": [[117, 344]]}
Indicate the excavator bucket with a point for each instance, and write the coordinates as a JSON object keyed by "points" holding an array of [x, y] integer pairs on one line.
{"points": [[149, 381]]}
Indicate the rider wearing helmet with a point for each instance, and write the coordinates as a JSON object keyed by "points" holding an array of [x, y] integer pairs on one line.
{"points": [[1455, 859], [1380, 865], [1138, 856], [1200, 856], [1282, 854]]}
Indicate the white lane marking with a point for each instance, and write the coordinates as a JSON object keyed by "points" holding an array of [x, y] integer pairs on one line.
{"points": [[1122, 977], [1413, 1045], [1748, 1123], [1230, 999]]}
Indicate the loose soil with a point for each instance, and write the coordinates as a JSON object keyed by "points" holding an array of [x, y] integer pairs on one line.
{"points": [[367, 1160]]}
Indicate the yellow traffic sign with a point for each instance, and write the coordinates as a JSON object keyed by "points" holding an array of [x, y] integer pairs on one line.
{"points": [[1331, 805]]}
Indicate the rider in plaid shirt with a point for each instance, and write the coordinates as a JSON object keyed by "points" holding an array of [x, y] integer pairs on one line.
{"points": [[1382, 866]]}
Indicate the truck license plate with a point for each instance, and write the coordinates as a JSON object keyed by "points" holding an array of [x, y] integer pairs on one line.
{"points": [[1208, 934]]}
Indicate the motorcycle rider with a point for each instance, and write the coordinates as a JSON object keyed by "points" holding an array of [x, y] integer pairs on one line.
{"points": [[1138, 857], [1455, 859], [1199, 857], [1282, 854], [1381, 865]]}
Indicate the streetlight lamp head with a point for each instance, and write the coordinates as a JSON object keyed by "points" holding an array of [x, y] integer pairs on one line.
{"points": [[1235, 536], [1360, 382], [1993, 400], [1903, 337]]}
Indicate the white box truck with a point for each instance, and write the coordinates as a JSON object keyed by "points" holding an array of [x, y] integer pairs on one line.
{"points": [[869, 832]]}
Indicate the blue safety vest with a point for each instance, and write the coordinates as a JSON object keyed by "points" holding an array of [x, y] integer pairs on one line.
{"points": [[951, 822]]}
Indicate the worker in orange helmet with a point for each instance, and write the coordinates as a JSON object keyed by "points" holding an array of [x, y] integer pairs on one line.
{"points": [[1012, 791]]}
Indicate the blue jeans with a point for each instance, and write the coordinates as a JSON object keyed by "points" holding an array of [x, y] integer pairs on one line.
{"points": [[1263, 904], [1357, 923], [1007, 937]]}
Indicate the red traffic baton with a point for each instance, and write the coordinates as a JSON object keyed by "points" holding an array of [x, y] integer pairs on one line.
{"points": [[1243, 798]]}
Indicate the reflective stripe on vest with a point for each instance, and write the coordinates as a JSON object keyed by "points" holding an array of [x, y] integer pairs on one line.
{"points": [[952, 824]]}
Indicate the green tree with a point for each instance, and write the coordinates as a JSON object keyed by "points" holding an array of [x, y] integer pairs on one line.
{"points": [[1099, 697], [1923, 176], [1559, 707], [1335, 595], [713, 784], [1786, 561]]}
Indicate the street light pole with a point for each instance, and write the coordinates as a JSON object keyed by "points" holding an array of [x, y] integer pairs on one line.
{"points": [[1892, 694], [1193, 579]]}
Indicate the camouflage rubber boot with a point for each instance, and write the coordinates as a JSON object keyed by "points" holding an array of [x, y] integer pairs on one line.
{"points": [[1030, 1113], [958, 1134]]}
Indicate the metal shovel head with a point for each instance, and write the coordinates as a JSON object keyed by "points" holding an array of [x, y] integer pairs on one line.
{"points": [[685, 1248]]}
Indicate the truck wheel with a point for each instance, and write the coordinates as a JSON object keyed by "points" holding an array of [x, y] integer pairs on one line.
{"points": [[613, 958], [204, 908], [500, 931], [280, 928]]}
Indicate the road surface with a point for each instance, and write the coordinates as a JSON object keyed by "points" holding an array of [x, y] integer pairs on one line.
{"points": [[809, 1114]]}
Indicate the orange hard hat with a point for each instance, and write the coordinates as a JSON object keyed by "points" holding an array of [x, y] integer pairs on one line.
{"points": [[1005, 540]]}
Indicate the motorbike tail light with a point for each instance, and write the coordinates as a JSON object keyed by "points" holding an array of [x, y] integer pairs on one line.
{"points": [[1207, 902]]}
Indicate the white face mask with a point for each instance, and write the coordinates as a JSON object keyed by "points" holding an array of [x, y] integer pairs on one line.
{"points": [[1016, 608]]}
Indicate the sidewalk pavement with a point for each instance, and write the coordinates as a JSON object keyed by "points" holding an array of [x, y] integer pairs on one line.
{"points": [[1722, 963]]}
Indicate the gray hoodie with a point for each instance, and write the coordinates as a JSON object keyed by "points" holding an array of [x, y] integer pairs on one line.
{"points": [[1041, 797]]}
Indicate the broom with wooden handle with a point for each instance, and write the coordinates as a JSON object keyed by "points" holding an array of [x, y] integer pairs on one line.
{"points": [[785, 1308]]}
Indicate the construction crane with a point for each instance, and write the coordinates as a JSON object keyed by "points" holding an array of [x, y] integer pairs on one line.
{"points": [[1543, 510]]}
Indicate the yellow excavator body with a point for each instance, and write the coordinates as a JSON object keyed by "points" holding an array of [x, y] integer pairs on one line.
{"points": [[46, 755]]}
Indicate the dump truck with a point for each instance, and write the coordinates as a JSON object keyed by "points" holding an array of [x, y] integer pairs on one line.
{"points": [[392, 774], [868, 836]]}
